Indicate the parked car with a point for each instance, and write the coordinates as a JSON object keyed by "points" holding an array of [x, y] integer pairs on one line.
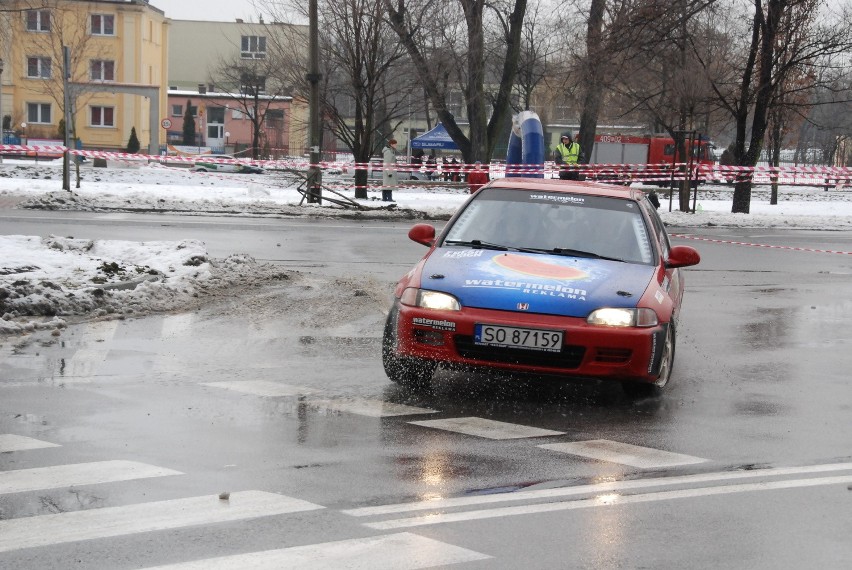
{"points": [[224, 163], [547, 277]]}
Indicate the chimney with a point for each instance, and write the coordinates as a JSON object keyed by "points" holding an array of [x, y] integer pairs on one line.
{"points": [[202, 89]]}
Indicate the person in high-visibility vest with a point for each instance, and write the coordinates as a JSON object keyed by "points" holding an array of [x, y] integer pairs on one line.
{"points": [[567, 155]]}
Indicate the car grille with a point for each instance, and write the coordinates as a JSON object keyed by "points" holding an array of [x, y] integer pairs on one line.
{"points": [[568, 357]]}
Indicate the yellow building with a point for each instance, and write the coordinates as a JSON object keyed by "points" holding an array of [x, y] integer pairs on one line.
{"points": [[118, 67]]}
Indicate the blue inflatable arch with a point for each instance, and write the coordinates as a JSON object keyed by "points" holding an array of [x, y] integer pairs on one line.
{"points": [[526, 147]]}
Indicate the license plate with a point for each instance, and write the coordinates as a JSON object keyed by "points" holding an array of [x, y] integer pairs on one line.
{"points": [[530, 339]]}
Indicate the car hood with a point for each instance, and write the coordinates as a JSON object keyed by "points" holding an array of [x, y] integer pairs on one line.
{"points": [[534, 283]]}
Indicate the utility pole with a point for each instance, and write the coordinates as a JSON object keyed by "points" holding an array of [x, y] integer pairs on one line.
{"points": [[314, 77], [66, 75]]}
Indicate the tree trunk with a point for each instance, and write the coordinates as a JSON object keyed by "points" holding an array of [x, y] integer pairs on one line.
{"points": [[592, 83], [361, 183]]}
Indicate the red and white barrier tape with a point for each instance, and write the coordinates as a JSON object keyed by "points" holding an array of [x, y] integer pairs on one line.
{"points": [[820, 175], [763, 245]]}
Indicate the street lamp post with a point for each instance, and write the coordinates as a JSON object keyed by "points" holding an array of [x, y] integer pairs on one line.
{"points": [[227, 136]]}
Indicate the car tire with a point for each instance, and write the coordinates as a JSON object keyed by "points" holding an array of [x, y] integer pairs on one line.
{"points": [[412, 373], [643, 389]]}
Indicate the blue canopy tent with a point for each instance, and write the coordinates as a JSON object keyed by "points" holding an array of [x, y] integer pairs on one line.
{"points": [[436, 138]]}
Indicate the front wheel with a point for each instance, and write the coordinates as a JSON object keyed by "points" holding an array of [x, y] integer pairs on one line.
{"points": [[640, 389], [414, 373]]}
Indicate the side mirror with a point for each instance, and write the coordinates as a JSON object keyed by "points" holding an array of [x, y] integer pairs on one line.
{"points": [[422, 233], [682, 256]]}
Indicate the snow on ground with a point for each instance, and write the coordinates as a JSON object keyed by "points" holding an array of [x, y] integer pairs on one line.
{"points": [[46, 281]]}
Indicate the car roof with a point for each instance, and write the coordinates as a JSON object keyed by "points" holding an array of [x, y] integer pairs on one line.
{"points": [[216, 156], [568, 187]]}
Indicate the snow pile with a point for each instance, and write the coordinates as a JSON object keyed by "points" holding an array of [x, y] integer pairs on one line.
{"points": [[44, 281]]}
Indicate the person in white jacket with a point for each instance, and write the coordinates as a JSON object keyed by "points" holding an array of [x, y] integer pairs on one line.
{"points": [[389, 180]]}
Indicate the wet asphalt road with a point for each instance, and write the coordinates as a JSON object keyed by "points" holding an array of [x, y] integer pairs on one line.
{"points": [[744, 462]]}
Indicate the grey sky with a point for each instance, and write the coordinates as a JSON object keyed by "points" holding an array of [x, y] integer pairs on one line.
{"points": [[218, 10]]}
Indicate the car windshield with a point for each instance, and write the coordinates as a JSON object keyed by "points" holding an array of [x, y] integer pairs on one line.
{"points": [[553, 222]]}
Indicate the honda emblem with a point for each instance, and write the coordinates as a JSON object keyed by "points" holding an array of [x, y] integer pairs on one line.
{"points": [[523, 306]]}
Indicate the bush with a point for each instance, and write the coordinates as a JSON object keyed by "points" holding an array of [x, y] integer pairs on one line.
{"points": [[133, 142]]}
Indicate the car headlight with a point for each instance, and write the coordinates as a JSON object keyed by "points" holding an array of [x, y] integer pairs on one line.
{"points": [[613, 317], [426, 299]]}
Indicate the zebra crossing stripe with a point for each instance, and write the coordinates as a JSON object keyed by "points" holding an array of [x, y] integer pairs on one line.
{"points": [[47, 530], [624, 453], [400, 551], [93, 350], [370, 408], [481, 427], [176, 325], [358, 406], [12, 442], [263, 388], [22, 480]]}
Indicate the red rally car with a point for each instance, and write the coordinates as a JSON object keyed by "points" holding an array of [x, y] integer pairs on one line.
{"points": [[549, 277]]}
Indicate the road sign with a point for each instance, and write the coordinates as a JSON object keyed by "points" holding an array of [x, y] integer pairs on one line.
{"points": [[166, 123]]}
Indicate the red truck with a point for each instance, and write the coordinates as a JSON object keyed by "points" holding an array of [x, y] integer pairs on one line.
{"points": [[643, 158]]}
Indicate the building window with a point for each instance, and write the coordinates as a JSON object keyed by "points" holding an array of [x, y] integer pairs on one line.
{"points": [[177, 110], [455, 104], [563, 109], [38, 67], [102, 70], [251, 84], [38, 113], [102, 117], [253, 47], [103, 25], [38, 20]]}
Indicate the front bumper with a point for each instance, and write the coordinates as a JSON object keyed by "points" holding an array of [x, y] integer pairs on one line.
{"points": [[588, 351]]}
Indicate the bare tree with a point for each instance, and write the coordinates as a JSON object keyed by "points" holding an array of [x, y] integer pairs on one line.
{"points": [[414, 23], [666, 82], [253, 86], [784, 40], [541, 44], [365, 87]]}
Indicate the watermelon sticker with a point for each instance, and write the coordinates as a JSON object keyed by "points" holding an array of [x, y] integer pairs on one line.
{"points": [[528, 265]]}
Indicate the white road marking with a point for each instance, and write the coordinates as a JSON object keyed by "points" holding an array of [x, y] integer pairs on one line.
{"points": [[607, 487], [359, 406], [12, 442], [177, 325], [400, 551], [93, 343], [60, 528], [624, 453], [263, 388], [370, 408], [605, 501], [481, 427], [22, 480], [85, 362], [96, 332]]}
